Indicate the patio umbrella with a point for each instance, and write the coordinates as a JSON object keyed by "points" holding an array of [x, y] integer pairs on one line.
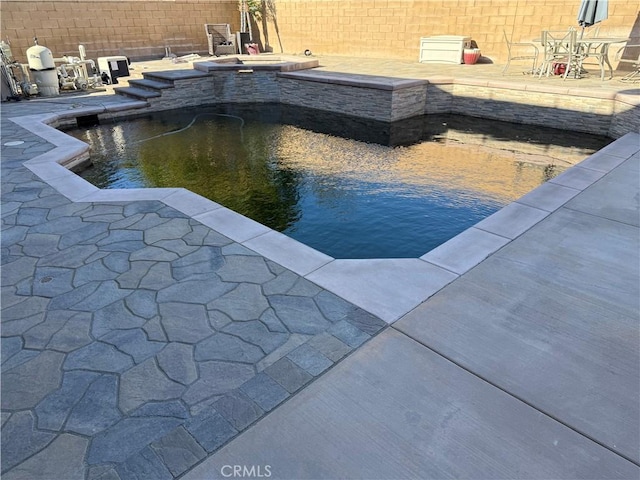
{"points": [[592, 12]]}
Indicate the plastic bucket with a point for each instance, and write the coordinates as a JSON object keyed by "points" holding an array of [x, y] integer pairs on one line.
{"points": [[471, 55]]}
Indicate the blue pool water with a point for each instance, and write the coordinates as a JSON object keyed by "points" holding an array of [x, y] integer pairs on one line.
{"points": [[348, 187]]}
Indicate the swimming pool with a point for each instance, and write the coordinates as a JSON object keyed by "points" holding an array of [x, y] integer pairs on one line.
{"points": [[349, 187]]}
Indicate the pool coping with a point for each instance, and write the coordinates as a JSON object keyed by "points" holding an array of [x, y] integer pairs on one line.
{"points": [[279, 63], [387, 288]]}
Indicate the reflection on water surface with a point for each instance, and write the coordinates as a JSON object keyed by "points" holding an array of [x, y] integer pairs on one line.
{"points": [[349, 187]]}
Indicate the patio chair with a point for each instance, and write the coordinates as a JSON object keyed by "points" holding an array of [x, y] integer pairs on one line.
{"points": [[518, 51], [633, 58], [220, 40], [594, 53], [591, 51], [560, 51]]}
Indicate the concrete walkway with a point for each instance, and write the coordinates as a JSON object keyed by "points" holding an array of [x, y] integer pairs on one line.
{"points": [[527, 366], [137, 341]]}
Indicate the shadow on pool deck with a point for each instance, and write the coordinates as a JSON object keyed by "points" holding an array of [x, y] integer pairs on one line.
{"points": [[521, 365]]}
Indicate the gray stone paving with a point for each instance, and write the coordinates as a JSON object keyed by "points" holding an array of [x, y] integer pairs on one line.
{"points": [[135, 340]]}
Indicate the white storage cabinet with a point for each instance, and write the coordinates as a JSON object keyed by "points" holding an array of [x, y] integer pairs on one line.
{"points": [[443, 48]]}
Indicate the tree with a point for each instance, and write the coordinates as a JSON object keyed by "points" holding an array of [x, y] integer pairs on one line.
{"points": [[270, 13], [261, 11], [249, 9]]}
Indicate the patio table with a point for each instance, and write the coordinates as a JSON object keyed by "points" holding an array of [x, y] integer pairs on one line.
{"points": [[594, 47], [597, 47]]}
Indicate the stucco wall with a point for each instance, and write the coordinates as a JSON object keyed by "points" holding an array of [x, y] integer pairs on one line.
{"points": [[371, 28]]}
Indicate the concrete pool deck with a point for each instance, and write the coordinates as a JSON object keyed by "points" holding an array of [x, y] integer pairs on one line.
{"points": [[522, 363]]}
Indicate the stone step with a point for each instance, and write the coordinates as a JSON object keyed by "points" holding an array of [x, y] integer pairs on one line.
{"points": [[148, 84], [173, 75], [137, 93]]}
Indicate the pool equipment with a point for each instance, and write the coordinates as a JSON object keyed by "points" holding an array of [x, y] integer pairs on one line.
{"points": [[44, 74], [43, 70], [16, 82], [76, 73], [9, 89], [113, 67]]}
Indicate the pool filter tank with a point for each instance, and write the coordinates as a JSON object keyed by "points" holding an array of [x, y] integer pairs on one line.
{"points": [[43, 70]]}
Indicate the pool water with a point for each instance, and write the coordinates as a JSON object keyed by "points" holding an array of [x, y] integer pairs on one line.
{"points": [[349, 187]]}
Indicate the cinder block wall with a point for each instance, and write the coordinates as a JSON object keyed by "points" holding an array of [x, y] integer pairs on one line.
{"points": [[381, 28], [139, 29], [371, 28]]}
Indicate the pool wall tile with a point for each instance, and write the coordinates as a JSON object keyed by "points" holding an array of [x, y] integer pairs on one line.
{"points": [[439, 98], [626, 117], [345, 99]]}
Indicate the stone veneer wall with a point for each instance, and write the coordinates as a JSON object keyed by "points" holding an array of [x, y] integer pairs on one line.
{"points": [[384, 101], [599, 112], [186, 93], [583, 112], [343, 99], [369, 28], [219, 87], [626, 115], [246, 87]]}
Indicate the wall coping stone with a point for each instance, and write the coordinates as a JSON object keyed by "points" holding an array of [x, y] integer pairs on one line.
{"points": [[353, 80], [629, 98], [441, 80], [137, 92], [249, 62], [550, 89], [604, 94], [172, 75], [149, 83], [476, 82]]}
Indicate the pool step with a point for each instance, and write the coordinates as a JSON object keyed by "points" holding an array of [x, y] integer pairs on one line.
{"points": [[148, 84], [137, 93], [153, 83]]}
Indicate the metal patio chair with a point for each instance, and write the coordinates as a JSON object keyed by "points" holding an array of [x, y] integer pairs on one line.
{"points": [[560, 49], [633, 59], [518, 51]]}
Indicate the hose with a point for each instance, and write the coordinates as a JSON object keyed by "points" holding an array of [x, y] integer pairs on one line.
{"points": [[191, 124]]}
